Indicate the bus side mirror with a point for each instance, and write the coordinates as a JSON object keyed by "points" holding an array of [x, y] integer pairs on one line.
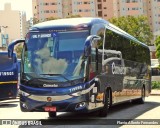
{"points": [[11, 47], [89, 43]]}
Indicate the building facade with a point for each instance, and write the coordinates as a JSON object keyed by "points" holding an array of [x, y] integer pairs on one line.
{"points": [[43, 9], [12, 25]]}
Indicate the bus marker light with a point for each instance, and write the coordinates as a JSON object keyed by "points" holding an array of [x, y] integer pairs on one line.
{"points": [[92, 98], [95, 90], [100, 96]]}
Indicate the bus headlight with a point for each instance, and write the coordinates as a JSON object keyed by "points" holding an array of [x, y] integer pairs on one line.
{"points": [[23, 93], [76, 94]]}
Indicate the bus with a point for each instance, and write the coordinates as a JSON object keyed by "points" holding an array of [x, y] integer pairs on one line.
{"points": [[155, 70], [8, 76], [81, 65]]}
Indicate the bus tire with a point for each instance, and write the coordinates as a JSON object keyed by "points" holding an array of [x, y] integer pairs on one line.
{"points": [[52, 114], [104, 111], [142, 99]]}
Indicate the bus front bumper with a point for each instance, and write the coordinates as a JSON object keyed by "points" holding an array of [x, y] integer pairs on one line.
{"points": [[65, 103]]}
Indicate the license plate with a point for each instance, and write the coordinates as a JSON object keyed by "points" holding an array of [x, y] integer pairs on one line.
{"points": [[50, 109]]}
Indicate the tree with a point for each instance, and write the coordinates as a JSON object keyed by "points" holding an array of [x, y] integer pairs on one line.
{"points": [[73, 16], [157, 43], [35, 21], [136, 26], [18, 50]]}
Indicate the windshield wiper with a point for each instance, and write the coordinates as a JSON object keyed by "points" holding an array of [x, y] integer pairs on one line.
{"points": [[33, 79], [59, 75]]}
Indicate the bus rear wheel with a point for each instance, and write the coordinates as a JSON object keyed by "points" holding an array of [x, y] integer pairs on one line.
{"points": [[142, 99], [52, 114], [107, 103]]}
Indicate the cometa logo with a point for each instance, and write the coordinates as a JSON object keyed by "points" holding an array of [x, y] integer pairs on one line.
{"points": [[50, 85], [118, 69]]}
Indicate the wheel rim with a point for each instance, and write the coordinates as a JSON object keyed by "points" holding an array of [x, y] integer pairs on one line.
{"points": [[108, 98]]}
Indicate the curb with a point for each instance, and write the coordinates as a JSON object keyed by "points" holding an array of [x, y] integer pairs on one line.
{"points": [[155, 92]]}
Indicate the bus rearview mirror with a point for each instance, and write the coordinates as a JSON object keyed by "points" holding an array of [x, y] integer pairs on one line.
{"points": [[11, 46], [90, 41]]}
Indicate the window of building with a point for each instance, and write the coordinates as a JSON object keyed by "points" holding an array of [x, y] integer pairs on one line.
{"points": [[87, 10], [127, 1], [99, 0], [134, 1], [46, 11], [105, 7], [45, 3], [134, 8], [99, 6], [100, 13], [104, 0], [53, 3], [79, 2]]}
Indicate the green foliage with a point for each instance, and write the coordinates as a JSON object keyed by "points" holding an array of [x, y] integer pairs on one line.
{"points": [[157, 43], [155, 85], [73, 16], [35, 21], [136, 26], [18, 50]]}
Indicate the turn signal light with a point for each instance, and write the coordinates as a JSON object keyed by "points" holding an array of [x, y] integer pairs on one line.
{"points": [[100, 97]]}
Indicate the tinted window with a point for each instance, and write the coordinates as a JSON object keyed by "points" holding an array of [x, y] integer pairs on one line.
{"points": [[130, 49]]}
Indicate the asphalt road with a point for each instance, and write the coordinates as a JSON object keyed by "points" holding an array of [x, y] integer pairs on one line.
{"points": [[137, 113]]}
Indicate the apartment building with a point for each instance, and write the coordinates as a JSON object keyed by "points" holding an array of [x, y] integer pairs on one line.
{"points": [[12, 25], [106, 9], [43, 9]]}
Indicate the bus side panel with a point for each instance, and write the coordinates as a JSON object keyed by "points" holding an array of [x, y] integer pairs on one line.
{"points": [[8, 91], [126, 79], [8, 76]]}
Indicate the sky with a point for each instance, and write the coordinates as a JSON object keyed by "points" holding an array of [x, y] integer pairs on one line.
{"points": [[21, 5]]}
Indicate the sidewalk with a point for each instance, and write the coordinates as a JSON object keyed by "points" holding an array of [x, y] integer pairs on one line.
{"points": [[155, 92]]}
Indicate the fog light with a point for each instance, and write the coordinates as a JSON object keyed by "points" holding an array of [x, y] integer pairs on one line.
{"points": [[24, 106], [80, 105]]}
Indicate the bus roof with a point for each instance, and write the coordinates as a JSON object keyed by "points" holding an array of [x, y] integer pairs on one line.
{"points": [[69, 22], [63, 24]]}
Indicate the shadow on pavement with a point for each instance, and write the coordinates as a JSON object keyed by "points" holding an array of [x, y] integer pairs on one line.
{"points": [[122, 112]]}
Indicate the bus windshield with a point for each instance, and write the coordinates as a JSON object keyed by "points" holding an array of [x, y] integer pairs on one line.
{"points": [[54, 54]]}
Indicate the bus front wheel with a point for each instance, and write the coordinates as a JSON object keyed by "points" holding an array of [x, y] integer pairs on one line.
{"points": [[52, 114], [107, 103]]}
